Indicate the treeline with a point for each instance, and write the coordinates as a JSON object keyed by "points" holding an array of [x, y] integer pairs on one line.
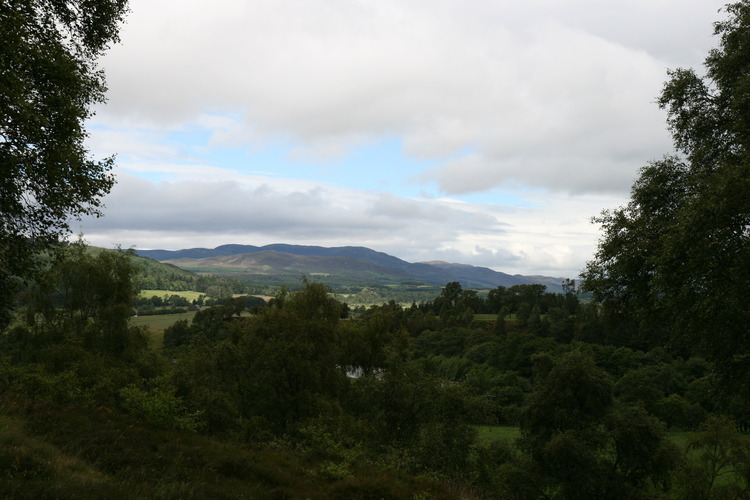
{"points": [[176, 304], [404, 293]]}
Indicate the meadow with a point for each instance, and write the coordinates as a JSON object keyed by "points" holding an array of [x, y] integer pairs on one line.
{"points": [[189, 294], [160, 322], [487, 434]]}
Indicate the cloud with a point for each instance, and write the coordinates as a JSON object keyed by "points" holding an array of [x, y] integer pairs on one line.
{"points": [[550, 101], [544, 93], [257, 210]]}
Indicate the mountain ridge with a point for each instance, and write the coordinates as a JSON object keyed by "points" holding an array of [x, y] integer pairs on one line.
{"points": [[359, 261]]}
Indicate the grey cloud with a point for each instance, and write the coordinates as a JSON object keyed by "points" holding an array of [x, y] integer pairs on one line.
{"points": [[431, 212], [214, 207], [552, 237], [228, 206]]}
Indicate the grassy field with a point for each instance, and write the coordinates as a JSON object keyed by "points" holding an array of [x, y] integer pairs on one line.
{"points": [[680, 438], [485, 317], [158, 323], [493, 317], [489, 433], [189, 295]]}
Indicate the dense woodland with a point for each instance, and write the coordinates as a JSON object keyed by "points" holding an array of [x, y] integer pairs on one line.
{"points": [[387, 399], [641, 392]]}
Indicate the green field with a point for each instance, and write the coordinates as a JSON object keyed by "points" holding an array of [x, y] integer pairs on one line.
{"points": [[493, 317], [158, 323], [485, 317], [489, 433], [680, 438], [189, 295]]}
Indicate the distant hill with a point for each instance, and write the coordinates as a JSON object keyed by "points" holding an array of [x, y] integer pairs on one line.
{"points": [[355, 263], [272, 262]]}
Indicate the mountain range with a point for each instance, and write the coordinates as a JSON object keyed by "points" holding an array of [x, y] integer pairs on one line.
{"points": [[357, 263]]}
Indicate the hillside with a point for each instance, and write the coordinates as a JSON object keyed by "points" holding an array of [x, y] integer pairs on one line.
{"points": [[275, 263], [348, 264], [154, 275]]}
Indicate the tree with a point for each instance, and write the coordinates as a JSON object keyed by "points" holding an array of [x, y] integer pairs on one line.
{"points": [[288, 357], [455, 305], [718, 465], [585, 444], [378, 335], [675, 259], [49, 81], [88, 296], [499, 328]]}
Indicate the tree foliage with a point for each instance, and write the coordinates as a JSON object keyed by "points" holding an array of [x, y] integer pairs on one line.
{"points": [[48, 83], [675, 259], [87, 295], [584, 443], [721, 462]]}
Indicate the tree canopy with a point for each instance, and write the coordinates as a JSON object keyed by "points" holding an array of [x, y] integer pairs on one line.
{"points": [[49, 81], [677, 256]]}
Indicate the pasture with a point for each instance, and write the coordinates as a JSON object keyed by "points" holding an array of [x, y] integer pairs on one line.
{"points": [[189, 294], [159, 322], [487, 434], [156, 325]]}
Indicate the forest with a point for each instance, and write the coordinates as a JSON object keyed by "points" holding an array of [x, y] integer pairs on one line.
{"points": [[639, 392], [387, 401]]}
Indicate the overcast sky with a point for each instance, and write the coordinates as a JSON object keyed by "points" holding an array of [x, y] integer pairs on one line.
{"points": [[485, 132]]}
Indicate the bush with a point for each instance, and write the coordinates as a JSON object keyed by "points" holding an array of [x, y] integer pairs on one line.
{"points": [[158, 406]]}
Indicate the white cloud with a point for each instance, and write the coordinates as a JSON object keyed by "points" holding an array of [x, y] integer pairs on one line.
{"points": [[549, 95], [534, 89]]}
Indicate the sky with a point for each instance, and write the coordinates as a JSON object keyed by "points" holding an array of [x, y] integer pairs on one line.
{"points": [[483, 132]]}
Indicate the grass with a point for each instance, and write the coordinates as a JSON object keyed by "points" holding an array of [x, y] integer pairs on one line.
{"points": [[157, 323], [160, 322], [189, 295], [493, 317], [680, 438], [487, 434], [485, 317]]}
